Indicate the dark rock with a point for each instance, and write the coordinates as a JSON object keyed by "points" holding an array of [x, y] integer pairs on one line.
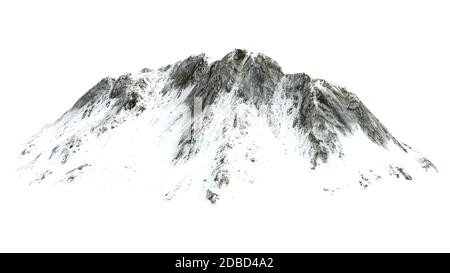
{"points": [[187, 72], [211, 196], [102, 87], [121, 85]]}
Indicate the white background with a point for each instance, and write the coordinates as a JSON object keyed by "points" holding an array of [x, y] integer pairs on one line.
{"points": [[393, 54]]}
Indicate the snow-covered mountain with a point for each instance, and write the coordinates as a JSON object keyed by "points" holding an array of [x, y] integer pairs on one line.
{"points": [[204, 127]]}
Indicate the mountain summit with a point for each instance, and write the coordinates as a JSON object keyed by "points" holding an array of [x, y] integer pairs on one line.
{"points": [[200, 126]]}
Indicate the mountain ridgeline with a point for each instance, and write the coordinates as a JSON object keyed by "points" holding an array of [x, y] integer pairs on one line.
{"points": [[253, 116]]}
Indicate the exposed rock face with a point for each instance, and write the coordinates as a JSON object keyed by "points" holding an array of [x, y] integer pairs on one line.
{"points": [[187, 72], [248, 105]]}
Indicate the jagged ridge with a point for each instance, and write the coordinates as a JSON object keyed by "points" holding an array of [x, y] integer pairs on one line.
{"points": [[239, 93]]}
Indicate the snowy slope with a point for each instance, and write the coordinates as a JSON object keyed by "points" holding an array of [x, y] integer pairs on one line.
{"points": [[216, 130]]}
